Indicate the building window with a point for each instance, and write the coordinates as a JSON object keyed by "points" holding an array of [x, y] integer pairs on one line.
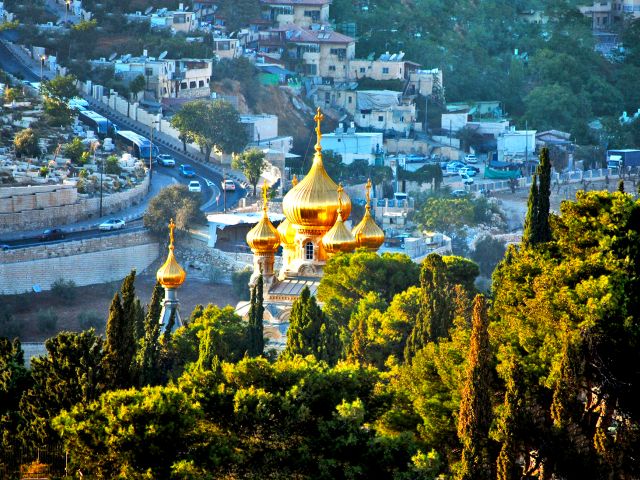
{"points": [[332, 68], [183, 86], [362, 70], [192, 84], [201, 83], [350, 99], [313, 14], [148, 72], [380, 118], [308, 251], [385, 69]]}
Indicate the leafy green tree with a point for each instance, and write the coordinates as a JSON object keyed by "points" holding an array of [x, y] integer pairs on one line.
{"points": [[255, 329], [57, 92], [475, 415], [111, 165], [26, 143], [139, 433], [487, 253], [137, 85], [211, 125], [311, 332], [15, 379], [70, 374], [173, 202], [251, 163], [349, 277], [74, 150]]}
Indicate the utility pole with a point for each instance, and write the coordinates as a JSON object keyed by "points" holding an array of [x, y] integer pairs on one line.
{"points": [[95, 147], [224, 191], [42, 59]]}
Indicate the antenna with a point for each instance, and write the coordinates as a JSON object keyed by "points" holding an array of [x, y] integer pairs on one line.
{"points": [[162, 55]]}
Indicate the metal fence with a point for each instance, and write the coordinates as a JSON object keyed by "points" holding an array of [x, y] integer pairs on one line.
{"points": [[33, 463]]}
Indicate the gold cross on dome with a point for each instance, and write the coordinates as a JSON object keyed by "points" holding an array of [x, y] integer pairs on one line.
{"points": [[265, 195], [172, 226], [368, 191], [340, 190], [318, 118]]}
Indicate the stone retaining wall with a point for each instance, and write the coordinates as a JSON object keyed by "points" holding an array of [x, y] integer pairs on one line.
{"points": [[36, 207], [86, 262]]}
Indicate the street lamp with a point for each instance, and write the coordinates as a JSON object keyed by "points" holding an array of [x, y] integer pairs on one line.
{"points": [[42, 59], [155, 122], [224, 191], [66, 10], [95, 146]]}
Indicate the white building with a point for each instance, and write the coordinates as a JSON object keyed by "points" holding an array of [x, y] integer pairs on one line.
{"points": [[177, 21], [260, 127], [516, 144], [353, 146]]}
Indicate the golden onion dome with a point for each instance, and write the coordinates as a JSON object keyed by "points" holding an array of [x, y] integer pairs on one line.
{"points": [[339, 238], [264, 238], [312, 202], [287, 232], [171, 274], [367, 233]]}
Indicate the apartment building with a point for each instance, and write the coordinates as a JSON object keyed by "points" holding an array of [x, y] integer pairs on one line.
{"points": [[176, 21], [165, 78], [224, 47], [313, 52], [302, 13], [604, 14]]}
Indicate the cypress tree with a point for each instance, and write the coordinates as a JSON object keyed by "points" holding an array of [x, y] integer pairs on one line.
{"points": [[117, 361], [311, 332], [621, 186], [358, 348], [255, 329], [131, 314], [544, 194], [474, 419], [506, 467], [437, 308], [149, 348], [529, 236], [565, 390]]}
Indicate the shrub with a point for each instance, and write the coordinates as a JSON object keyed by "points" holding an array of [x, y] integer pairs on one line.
{"points": [[91, 319], [240, 282], [111, 166], [9, 326], [47, 320], [65, 290]]}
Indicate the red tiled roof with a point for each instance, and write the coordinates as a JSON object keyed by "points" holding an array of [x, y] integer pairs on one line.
{"points": [[299, 34]]}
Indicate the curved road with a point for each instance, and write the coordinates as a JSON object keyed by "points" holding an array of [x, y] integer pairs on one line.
{"points": [[212, 197]]}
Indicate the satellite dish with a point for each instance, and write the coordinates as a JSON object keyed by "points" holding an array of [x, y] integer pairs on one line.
{"points": [[148, 11], [113, 56], [162, 55]]}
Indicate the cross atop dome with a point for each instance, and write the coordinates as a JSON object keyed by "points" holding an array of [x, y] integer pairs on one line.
{"points": [[318, 118]]}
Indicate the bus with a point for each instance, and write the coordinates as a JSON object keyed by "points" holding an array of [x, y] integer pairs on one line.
{"points": [[96, 121], [137, 145]]}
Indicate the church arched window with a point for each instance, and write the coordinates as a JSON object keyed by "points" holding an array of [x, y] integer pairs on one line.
{"points": [[308, 251]]}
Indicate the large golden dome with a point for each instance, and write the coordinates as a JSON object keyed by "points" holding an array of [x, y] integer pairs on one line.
{"points": [[313, 202], [367, 233], [339, 238], [171, 274], [264, 238]]}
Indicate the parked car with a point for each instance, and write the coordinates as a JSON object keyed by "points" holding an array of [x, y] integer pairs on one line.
{"points": [[187, 170], [471, 172], [166, 160], [194, 186], [52, 234], [466, 179], [228, 185], [471, 158], [112, 224], [413, 158], [459, 193]]}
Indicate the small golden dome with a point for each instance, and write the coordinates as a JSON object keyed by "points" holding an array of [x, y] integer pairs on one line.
{"points": [[312, 202], [287, 232], [339, 238], [264, 238], [171, 274], [367, 233]]}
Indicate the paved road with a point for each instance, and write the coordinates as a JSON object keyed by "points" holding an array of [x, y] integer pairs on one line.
{"points": [[9, 63]]}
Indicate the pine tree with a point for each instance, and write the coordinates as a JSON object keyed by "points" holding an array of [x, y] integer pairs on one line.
{"points": [[311, 332], [530, 234], [544, 195], [255, 330], [149, 347], [474, 419], [437, 308]]}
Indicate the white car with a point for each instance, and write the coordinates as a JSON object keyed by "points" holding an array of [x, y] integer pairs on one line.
{"points": [[466, 179], [471, 158], [470, 172], [113, 224], [166, 160], [194, 186], [228, 185]]}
